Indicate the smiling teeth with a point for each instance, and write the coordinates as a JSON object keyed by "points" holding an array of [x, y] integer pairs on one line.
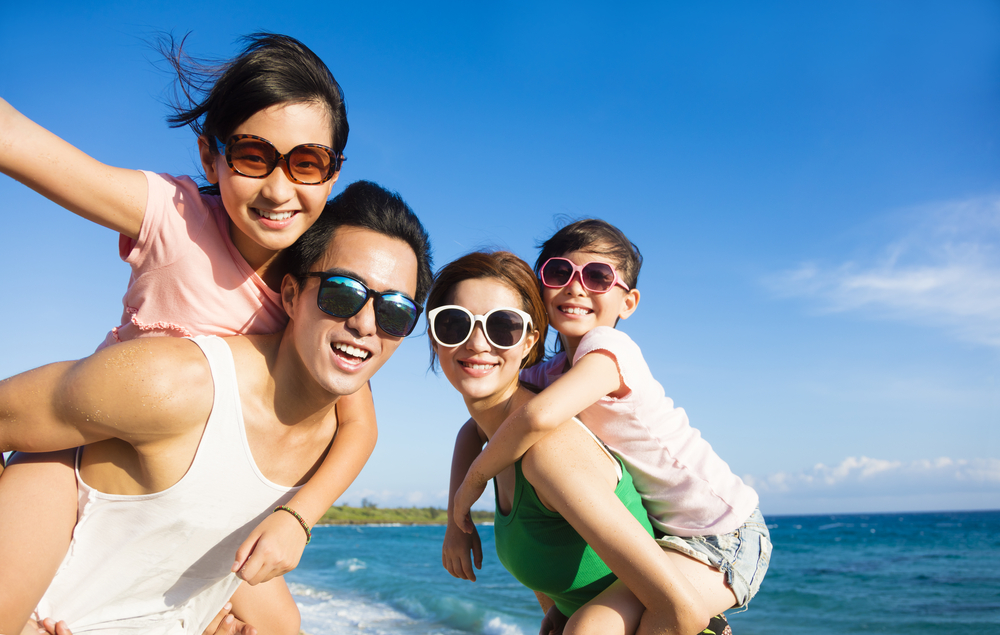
{"points": [[352, 351], [479, 366], [274, 215], [575, 311]]}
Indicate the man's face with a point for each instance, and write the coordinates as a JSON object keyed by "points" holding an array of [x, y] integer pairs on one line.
{"points": [[341, 354]]}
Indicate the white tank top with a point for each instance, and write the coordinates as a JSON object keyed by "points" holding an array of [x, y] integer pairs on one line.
{"points": [[159, 563]]}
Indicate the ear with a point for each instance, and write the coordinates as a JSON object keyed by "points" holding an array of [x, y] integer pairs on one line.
{"points": [[208, 160], [289, 292], [530, 339], [629, 304]]}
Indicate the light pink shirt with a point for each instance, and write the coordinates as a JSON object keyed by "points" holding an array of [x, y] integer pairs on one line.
{"points": [[188, 278], [686, 488]]}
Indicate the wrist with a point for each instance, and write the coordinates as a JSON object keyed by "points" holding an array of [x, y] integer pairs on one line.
{"points": [[305, 526]]}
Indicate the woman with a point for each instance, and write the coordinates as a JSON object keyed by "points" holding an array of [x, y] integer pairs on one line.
{"points": [[568, 520]]}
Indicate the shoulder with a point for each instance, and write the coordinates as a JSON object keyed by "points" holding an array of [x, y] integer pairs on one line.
{"points": [[617, 344], [175, 215], [159, 383], [564, 457]]}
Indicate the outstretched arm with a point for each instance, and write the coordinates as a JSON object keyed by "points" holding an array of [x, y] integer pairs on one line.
{"points": [[592, 377], [109, 196], [276, 545]]}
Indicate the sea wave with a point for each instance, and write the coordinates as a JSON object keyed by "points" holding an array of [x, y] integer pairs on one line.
{"points": [[325, 613]]}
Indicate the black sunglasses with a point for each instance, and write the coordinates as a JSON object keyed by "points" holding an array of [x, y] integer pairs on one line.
{"points": [[343, 296], [256, 157]]}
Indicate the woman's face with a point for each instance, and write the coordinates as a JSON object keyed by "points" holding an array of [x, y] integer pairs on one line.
{"points": [[476, 368]]}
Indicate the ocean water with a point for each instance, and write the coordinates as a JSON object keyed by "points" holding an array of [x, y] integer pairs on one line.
{"points": [[829, 575]]}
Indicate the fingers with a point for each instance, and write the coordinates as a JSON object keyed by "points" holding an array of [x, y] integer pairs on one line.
{"points": [[214, 624], [477, 549], [243, 553], [52, 627]]}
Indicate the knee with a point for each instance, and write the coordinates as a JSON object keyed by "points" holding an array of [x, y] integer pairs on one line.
{"points": [[594, 621]]}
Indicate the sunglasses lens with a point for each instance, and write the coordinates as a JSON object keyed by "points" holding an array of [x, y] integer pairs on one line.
{"points": [[598, 276], [252, 157], [557, 273], [505, 328], [396, 314], [452, 327], [310, 164], [341, 297]]}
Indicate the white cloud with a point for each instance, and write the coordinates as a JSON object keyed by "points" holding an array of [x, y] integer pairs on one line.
{"points": [[944, 272], [859, 479]]}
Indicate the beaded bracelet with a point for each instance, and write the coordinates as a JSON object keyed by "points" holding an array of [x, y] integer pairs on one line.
{"points": [[305, 527]]}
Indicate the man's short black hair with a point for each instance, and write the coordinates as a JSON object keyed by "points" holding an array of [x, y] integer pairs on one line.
{"points": [[369, 206]]}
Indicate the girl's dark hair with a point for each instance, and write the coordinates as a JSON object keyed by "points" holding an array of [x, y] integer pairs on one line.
{"points": [[369, 206], [599, 237], [272, 69], [507, 269]]}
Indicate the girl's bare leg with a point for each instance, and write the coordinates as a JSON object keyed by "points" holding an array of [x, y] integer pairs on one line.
{"points": [[268, 606], [617, 611], [38, 504]]}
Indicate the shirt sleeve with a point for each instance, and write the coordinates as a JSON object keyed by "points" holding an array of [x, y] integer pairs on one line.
{"points": [[175, 216], [618, 345]]}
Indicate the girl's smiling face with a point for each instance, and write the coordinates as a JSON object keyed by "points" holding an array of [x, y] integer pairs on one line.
{"points": [[478, 370], [574, 311], [267, 215]]}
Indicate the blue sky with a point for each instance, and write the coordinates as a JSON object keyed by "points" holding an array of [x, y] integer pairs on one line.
{"points": [[815, 188]]}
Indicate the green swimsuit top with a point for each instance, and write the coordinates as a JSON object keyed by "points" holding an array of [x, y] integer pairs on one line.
{"points": [[546, 554]]}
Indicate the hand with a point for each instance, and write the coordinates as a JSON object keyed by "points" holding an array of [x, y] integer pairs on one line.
{"points": [[273, 548], [455, 552], [226, 624], [553, 623], [51, 627], [468, 493]]}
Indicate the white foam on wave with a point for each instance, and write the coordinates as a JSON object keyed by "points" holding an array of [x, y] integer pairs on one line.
{"points": [[325, 613], [497, 626], [352, 564]]}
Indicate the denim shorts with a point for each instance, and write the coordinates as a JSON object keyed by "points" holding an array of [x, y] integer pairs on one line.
{"points": [[743, 555]]}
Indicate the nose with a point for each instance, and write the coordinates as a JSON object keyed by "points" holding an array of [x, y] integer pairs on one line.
{"points": [[575, 284], [477, 342], [363, 322], [278, 188]]}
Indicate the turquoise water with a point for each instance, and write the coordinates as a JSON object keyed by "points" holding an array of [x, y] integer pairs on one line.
{"points": [[831, 575]]}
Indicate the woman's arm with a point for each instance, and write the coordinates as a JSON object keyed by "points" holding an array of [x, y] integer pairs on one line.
{"points": [[459, 544], [109, 196], [277, 543], [574, 477], [594, 376]]}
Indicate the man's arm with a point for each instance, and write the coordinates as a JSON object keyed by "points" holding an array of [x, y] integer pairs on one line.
{"points": [[278, 542], [140, 391]]}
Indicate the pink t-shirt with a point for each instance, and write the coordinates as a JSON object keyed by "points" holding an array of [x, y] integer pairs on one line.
{"points": [[188, 278], [686, 488]]}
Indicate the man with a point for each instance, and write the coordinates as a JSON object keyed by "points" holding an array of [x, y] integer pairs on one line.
{"points": [[189, 444]]}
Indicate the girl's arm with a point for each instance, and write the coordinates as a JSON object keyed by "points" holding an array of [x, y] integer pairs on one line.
{"points": [[592, 377], [278, 542], [458, 544], [572, 476], [113, 197]]}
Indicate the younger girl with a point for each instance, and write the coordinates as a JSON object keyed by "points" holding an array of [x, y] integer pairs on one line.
{"points": [[271, 133], [705, 517]]}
